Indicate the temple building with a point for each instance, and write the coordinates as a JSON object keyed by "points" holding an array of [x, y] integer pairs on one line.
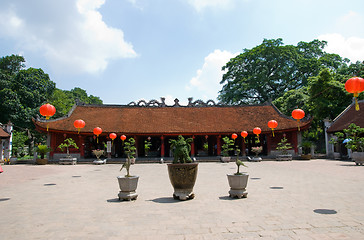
{"points": [[154, 121]]}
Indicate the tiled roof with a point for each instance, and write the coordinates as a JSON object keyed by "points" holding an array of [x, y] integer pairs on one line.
{"points": [[348, 116], [172, 120], [3, 134]]}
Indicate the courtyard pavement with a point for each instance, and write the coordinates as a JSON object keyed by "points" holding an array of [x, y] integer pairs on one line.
{"points": [[317, 199]]}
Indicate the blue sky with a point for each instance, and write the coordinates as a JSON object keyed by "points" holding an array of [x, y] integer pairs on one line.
{"points": [[127, 50]]}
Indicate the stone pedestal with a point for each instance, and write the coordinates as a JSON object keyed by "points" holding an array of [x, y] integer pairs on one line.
{"points": [[69, 161]]}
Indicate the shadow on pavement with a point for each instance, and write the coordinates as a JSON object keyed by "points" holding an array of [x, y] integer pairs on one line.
{"points": [[165, 200]]}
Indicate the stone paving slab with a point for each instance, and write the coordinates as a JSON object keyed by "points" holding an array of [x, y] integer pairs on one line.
{"points": [[317, 199]]}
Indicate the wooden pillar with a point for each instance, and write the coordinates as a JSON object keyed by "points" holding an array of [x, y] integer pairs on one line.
{"points": [[295, 142], [218, 143], [82, 146], [136, 144], [269, 140], [243, 147], [162, 146], [52, 141], [193, 146]]}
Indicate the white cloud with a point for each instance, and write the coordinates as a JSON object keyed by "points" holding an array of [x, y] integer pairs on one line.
{"points": [[351, 47], [207, 79], [71, 36], [199, 5]]}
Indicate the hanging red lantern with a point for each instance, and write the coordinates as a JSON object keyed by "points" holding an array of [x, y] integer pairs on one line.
{"points": [[272, 124], [298, 114], [244, 134], [47, 110], [257, 131], [123, 137], [79, 124], [234, 136], [112, 136], [355, 85], [97, 132]]}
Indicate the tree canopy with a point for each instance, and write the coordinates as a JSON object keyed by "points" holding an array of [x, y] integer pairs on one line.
{"points": [[269, 70]]}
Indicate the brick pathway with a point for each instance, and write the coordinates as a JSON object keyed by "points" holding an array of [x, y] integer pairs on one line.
{"points": [[317, 199]]}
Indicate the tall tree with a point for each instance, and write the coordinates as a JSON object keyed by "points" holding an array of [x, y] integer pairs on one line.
{"points": [[267, 71]]}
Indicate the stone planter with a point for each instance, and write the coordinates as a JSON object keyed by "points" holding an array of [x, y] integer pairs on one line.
{"points": [[99, 162], [128, 186], [306, 156], [285, 157], [238, 185], [68, 161], [183, 178], [13, 160], [358, 157], [255, 159], [225, 159], [41, 161]]}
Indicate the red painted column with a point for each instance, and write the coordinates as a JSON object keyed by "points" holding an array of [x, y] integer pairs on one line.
{"points": [[162, 146], [269, 140], [243, 147], [82, 146], [193, 146], [218, 143], [295, 142]]}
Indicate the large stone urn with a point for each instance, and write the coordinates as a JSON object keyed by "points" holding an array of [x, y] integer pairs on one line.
{"points": [[358, 157], [183, 177], [128, 186], [238, 185]]}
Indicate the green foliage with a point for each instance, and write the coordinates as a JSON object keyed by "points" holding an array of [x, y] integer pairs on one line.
{"points": [[269, 70], [355, 134], [68, 143], [306, 147], [327, 96], [181, 149], [147, 145], [227, 146], [283, 146], [42, 150], [130, 151], [292, 99], [20, 140], [64, 100]]}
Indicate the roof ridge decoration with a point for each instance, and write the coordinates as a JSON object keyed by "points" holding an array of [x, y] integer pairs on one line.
{"points": [[162, 103]]}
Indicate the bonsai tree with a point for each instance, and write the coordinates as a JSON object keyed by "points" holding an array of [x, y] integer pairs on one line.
{"points": [[98, 153], [238, 162], [130, 151], [306, 147], [68, 143], [257, 150], [283, 146], [355, 136], [181, 149], [227, 146], [147, 145], [42, 150]]}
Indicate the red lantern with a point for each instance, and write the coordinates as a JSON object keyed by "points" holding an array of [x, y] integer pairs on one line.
{"points": [[47, 110], [97, 132], [298, 114], [257, 131], [272, 124], [355, 85], [112, 136], [122, 137], [244, 134], [234, 136], [79, 124]]}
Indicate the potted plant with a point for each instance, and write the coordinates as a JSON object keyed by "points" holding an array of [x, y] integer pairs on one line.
{"points": [[226, 148], [306, 150], [128, 183], [98, 153], [257, 150], [283, 148], [355, 141], [67, 144], [42, 150], [238, 181], [182, 172]]}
